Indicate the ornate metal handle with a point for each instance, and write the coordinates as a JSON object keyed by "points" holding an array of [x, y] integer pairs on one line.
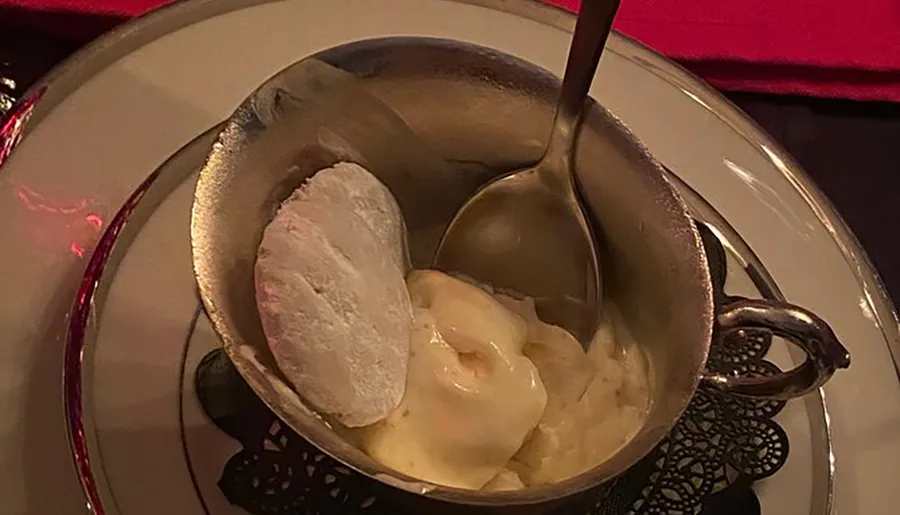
{"points": [[824, 353]]}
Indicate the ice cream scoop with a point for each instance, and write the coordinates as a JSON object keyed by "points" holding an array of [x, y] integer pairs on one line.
{"points": [[472, 396]]}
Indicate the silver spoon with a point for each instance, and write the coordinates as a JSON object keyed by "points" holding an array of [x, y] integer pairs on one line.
{"points": [[526, 231]]}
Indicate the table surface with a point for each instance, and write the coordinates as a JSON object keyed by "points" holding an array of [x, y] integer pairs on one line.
{"points": [[849, 148]]}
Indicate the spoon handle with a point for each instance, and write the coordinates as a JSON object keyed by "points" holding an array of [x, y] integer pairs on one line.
{"points": [[591, 32]]}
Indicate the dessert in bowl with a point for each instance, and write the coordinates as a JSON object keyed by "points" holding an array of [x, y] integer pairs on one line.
{"points": [[370, 117]]}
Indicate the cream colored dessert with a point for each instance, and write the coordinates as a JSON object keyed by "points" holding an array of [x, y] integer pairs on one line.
{"points": [[472, 397], [465, 423], [434, 377], [505, 480], [596, 401]]}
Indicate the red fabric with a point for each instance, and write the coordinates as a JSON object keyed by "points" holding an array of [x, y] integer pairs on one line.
{"points": [[121, 8], [831, 48]]}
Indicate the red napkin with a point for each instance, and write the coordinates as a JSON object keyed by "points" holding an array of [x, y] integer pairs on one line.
{"points": [[829, 48]]}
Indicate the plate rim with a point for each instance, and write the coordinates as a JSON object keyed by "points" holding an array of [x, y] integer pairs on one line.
{"points": [[51, 89], [83, 317]]}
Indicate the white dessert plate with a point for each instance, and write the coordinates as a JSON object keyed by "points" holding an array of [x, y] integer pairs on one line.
{"points": [[116, 111]]}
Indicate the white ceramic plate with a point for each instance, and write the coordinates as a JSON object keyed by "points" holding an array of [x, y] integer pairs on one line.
{"points": [[116, 111]]}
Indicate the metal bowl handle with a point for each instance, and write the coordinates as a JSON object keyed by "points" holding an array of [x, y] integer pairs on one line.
{"points": [[824, 353]]}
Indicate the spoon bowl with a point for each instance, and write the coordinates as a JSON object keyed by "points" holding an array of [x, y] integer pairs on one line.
{"points": [[520, 236], [526, 232]]}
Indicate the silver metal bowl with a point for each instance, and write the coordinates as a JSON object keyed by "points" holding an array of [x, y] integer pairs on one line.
{"points": [[485, 113]]}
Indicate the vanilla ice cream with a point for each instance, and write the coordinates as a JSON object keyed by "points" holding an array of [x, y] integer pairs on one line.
{"points": [[472, 397], [596, 401]]}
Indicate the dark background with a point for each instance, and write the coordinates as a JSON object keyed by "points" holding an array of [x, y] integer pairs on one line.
{"points": [[849, 148]]}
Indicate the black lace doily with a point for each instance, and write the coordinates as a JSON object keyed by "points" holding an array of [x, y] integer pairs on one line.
{"points": [[706, 465]]}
